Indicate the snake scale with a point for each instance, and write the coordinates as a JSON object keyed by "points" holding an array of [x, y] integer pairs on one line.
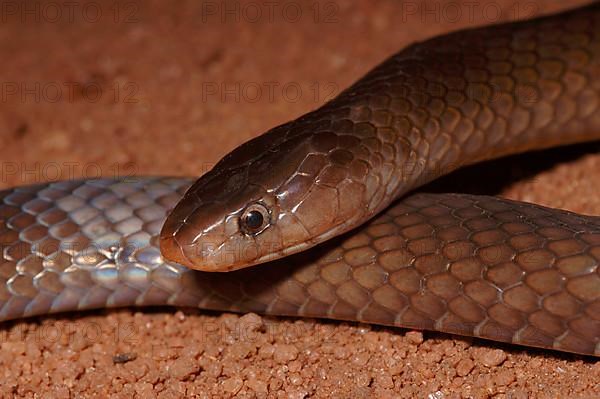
{"points": [[322, 198]]}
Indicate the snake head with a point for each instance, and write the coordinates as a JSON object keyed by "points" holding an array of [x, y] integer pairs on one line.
{"points": [[275, 195], [220, 232]]}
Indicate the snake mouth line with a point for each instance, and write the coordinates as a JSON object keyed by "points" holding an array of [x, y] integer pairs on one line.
{"points": [[300, 247]]}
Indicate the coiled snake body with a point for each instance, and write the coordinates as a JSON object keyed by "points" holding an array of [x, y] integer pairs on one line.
{"points": [[464, 264]]}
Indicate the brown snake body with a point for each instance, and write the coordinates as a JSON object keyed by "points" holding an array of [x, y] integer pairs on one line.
{"points": [[464, 264]]}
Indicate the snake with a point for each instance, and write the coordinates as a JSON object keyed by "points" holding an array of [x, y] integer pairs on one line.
{"points": [[321, 217]]}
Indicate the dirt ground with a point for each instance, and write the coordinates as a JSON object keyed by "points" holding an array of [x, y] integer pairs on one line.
{"points": [[166, 88]]}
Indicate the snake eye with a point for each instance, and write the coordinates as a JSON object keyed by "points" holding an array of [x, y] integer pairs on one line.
{"points": [[255, 218]]}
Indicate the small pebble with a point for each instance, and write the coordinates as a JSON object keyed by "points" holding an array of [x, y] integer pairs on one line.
{"points": [[124, 357], [464, 367], [490, 357], [284, 353], [414, 337], [182, 368], [257, 386], [233, 385]]}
